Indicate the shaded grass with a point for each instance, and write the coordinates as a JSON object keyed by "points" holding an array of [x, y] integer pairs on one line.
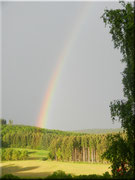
{"points": [[35, 167], [37, 154], [38, 168]]}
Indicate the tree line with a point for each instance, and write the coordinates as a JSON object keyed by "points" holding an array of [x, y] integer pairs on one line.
{"points": [[21, 136], [86, 148]]}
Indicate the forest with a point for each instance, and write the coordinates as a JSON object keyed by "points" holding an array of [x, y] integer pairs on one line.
{"points": [[63, 146]]}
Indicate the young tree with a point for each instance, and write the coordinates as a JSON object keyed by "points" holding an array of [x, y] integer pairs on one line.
{"points": [[122, 26], [10, 122]]}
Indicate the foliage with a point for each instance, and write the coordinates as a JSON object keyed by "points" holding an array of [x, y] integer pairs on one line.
{"points": [[10, 176], [27, 136], [63, 146], [94, 176], [59, 175], [99, 131], [121, 24], [118, 154], [3, 122], [13, 154], [62, 175], [44, 159], [87, 148], [10, 122]]}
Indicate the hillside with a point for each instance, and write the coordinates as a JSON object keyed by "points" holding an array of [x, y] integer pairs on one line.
{"points": [[27, 128]]}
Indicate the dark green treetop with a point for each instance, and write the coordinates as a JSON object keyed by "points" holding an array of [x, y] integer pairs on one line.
{"points": [[122, 26]]}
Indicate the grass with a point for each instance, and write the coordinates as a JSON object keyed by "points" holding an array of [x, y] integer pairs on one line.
{"points": [[34, 154], [35, 167]]}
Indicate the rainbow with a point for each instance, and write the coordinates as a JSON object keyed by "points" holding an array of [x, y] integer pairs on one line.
{"points": [[44, 112]]}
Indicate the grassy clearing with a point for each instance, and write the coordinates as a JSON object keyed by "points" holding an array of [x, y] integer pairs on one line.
{"points": [[35, 167], [38, 168], [36, 154]]}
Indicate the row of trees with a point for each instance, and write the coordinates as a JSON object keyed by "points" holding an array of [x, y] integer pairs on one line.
{"points": [[86, 148], [27, 136]]}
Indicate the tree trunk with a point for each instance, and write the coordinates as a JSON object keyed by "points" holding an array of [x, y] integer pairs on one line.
{"points": [[55, 157], [95, 155], [83, 154], [92, 155], [75, 154], [86, 159], [79, 155], [88, 154]]}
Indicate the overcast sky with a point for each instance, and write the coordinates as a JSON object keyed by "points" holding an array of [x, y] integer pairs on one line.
{"points": [[34, 35]]}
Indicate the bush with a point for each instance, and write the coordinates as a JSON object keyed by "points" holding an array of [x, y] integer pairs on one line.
{"points": [[24, 155], [13, 154], [7, 154], [51, 156], [59, 175], [118, 154], [92, 176], [9, 176], [62, 175], [16, 155], [44, 159], [106, 175]]}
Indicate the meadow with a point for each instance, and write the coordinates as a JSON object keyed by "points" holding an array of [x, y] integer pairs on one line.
{"points": [[36, 166]]}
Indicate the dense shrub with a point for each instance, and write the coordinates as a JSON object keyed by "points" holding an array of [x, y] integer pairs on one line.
{"points": [[59, 175], [13, 154], [9, 176], [44, 159], [62, 175]]}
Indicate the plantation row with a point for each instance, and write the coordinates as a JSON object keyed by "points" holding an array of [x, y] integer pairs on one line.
{"points": [[87, 148], [62, 145]]}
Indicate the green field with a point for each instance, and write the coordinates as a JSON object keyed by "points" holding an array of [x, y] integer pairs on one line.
{"points": [[36, 154], [35, 167]]}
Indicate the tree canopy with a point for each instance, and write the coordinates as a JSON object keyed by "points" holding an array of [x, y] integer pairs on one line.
{"points": [[122, 26]]}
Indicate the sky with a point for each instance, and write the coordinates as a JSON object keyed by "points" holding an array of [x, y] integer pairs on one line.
{"points": [[34, 37], [0, 61]]}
